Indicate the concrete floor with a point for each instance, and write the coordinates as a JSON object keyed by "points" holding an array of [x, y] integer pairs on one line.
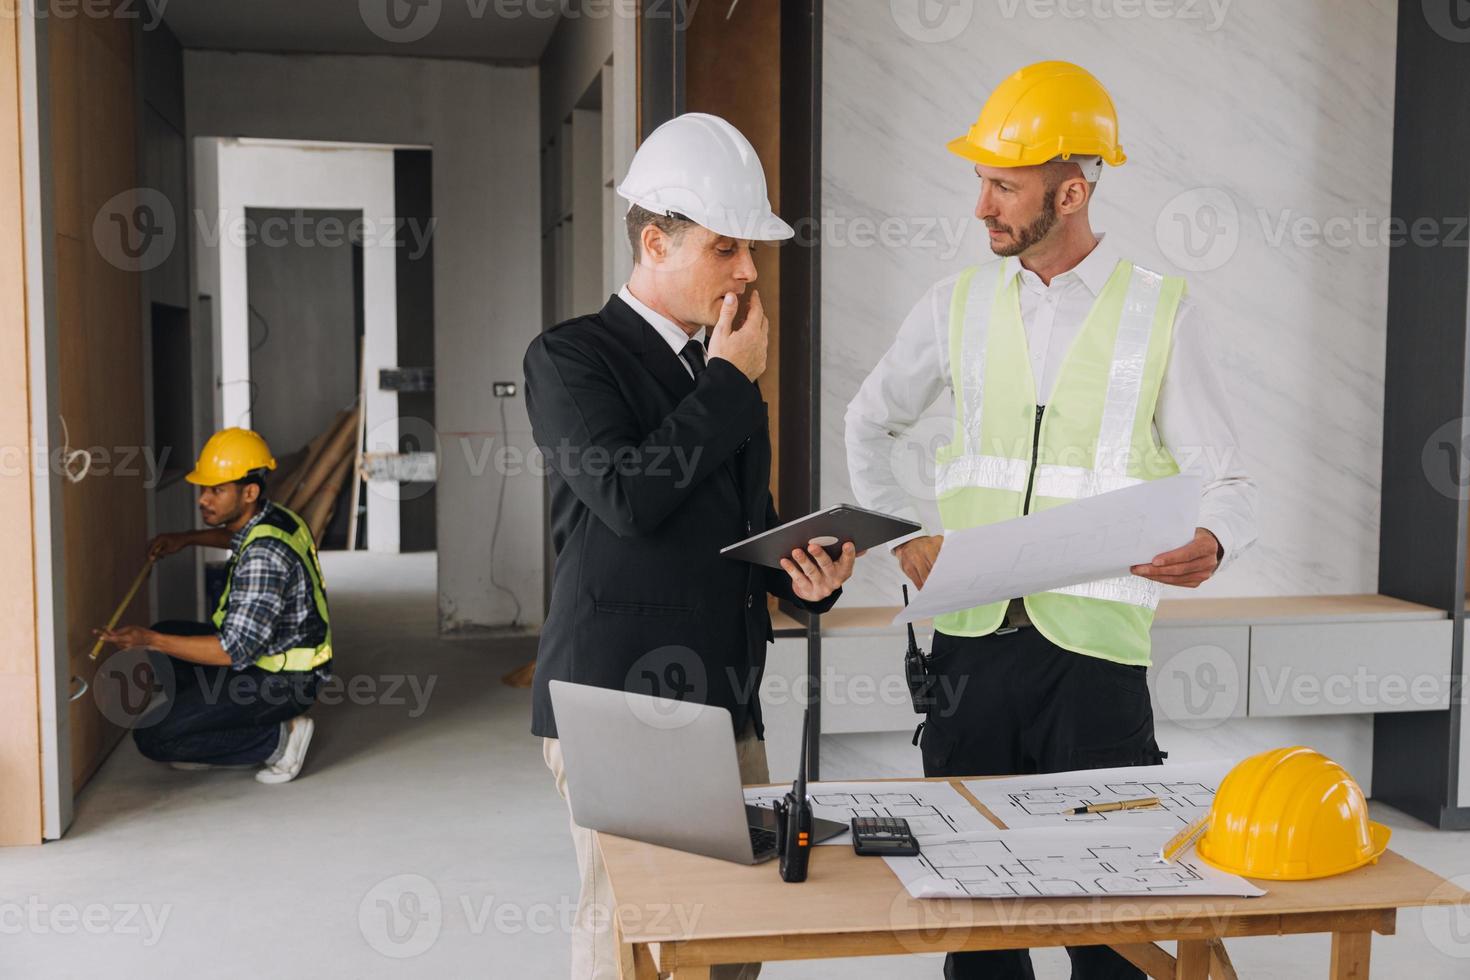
{"points": [[424, 795]]}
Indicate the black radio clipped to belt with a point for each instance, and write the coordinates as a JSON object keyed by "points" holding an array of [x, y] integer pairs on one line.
{"points": [[916, 670]]}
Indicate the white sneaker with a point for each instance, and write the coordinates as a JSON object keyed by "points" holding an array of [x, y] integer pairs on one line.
{"points": [[201, 766], [288, 766]]}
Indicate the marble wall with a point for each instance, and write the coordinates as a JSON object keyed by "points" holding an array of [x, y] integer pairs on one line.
{"points": [[1259, 137]]}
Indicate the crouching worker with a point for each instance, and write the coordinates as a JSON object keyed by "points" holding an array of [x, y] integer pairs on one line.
{"points": [[242, 683]]}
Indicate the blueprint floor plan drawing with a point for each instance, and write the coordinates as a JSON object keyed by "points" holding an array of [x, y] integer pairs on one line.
{"points": [[1059, 862], [935, 811], [1184, 792]]}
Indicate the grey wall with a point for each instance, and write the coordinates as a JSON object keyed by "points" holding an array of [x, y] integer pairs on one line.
{"points": [[481, 122], [303, 331]]}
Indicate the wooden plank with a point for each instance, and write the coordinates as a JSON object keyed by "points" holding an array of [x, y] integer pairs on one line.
{"points": [[1220, 966], [1350, 952], [1192, 961], [21, 817], [1148, 957]]}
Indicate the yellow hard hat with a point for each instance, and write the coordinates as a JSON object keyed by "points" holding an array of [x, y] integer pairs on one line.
{"points": [[1290, 814], [1046, 110], [230, 454]]}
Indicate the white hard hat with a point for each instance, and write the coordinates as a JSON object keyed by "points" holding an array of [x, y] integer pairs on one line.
{"points": [[703, 168]]}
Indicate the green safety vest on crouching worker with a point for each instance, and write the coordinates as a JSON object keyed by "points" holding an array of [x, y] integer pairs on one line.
{"points": [[285, 526], [1008, 457]]}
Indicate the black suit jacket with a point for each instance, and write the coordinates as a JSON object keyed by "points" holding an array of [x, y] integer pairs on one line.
{"points": [[650, 476]]}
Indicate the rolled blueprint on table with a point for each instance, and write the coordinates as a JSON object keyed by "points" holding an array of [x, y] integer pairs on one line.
{"points": [[1093, 538]]}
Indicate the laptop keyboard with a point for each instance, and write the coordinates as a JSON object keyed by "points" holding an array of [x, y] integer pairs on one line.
{"points": [[762, 840]]}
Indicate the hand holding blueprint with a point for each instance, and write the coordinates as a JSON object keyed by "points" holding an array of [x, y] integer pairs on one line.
{"points": [[1089, 539]]}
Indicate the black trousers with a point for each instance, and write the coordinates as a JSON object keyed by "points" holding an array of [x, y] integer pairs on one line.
{"points": [[219, 715], [1015, 703]]}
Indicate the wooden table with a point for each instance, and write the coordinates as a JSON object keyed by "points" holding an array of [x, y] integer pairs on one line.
{"points": [[681, 913]]}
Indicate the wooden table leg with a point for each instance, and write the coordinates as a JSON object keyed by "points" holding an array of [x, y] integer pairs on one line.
{"points": [[1350, 955], [1193, 961], [636, 963], [691, 973], [1220, 966]]}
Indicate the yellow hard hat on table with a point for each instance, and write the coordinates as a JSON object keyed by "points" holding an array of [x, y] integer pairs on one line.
{"points": [[1290, 814], [229, 455], [1044, 111]]}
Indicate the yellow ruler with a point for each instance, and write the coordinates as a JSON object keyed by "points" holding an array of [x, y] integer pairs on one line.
{"points": [[1183, 840]]}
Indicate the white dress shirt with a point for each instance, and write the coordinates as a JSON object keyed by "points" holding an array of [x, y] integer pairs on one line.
{"points": [[1192, 419], [670, 331]]}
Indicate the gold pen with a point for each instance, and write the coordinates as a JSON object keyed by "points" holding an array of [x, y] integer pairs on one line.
{"points": [[1116, 805]]}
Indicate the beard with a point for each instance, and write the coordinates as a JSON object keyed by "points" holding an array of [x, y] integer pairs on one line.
{"points": [[1029, 235]]}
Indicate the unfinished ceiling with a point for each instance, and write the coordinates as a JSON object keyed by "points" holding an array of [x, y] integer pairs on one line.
{"points": [[481, 30]]}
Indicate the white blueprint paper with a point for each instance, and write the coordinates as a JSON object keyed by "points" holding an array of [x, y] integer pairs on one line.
{"points": [[1185, 793], [1060, 862], [1082, 541], [935, 811]]}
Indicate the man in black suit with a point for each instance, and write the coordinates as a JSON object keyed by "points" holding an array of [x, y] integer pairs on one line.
{"points": [[659, 455]]}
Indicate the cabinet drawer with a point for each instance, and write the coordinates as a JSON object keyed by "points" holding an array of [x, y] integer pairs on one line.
{"points": [[1349, 668]]}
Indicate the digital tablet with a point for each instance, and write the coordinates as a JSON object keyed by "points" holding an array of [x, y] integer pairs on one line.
{"points": [[829, 528]]}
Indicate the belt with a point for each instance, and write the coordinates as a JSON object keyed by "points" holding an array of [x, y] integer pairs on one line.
{"points": [[1016, 617]]}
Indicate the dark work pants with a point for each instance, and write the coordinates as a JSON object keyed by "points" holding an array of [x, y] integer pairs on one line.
{"points": [[219, 715], [1012, 704]]}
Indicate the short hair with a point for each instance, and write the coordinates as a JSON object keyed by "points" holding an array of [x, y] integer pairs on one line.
{"points": [[256, 477], [672, 224]]}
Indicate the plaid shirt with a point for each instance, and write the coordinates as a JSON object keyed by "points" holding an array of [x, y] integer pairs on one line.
{"points": [[270, 599]]}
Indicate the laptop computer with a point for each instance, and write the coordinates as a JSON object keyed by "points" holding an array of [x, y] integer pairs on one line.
{"points": [[661, 771]]}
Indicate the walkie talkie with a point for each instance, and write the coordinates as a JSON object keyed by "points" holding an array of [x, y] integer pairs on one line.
{"points": [[916, 670], [794, 819]]}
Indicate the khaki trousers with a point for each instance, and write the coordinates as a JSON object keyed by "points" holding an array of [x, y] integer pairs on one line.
{"points": [[594, 942]]}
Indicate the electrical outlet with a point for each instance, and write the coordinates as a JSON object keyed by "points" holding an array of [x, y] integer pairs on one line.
{"points": [[504, 389]]}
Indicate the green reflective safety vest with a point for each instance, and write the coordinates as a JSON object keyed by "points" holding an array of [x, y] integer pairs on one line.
{"points": [[285, 526], [1009, 458]]}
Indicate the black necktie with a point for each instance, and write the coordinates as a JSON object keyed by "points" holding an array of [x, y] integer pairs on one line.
{"points": [[693, 354]]}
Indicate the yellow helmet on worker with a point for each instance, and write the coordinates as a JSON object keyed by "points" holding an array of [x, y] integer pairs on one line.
{"points": [[1290, 814], [1047, 111], [229, 455]]}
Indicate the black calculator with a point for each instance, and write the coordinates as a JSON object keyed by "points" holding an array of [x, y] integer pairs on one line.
{"points": [[883, 837]]}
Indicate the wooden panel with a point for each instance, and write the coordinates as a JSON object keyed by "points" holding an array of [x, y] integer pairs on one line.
{"points": [[20, 747], [100, 345], [1349, 668], [729, 71], [1199, 673]]}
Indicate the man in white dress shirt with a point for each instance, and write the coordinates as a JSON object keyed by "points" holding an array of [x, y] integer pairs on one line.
{"points": [[1073, 372]]}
